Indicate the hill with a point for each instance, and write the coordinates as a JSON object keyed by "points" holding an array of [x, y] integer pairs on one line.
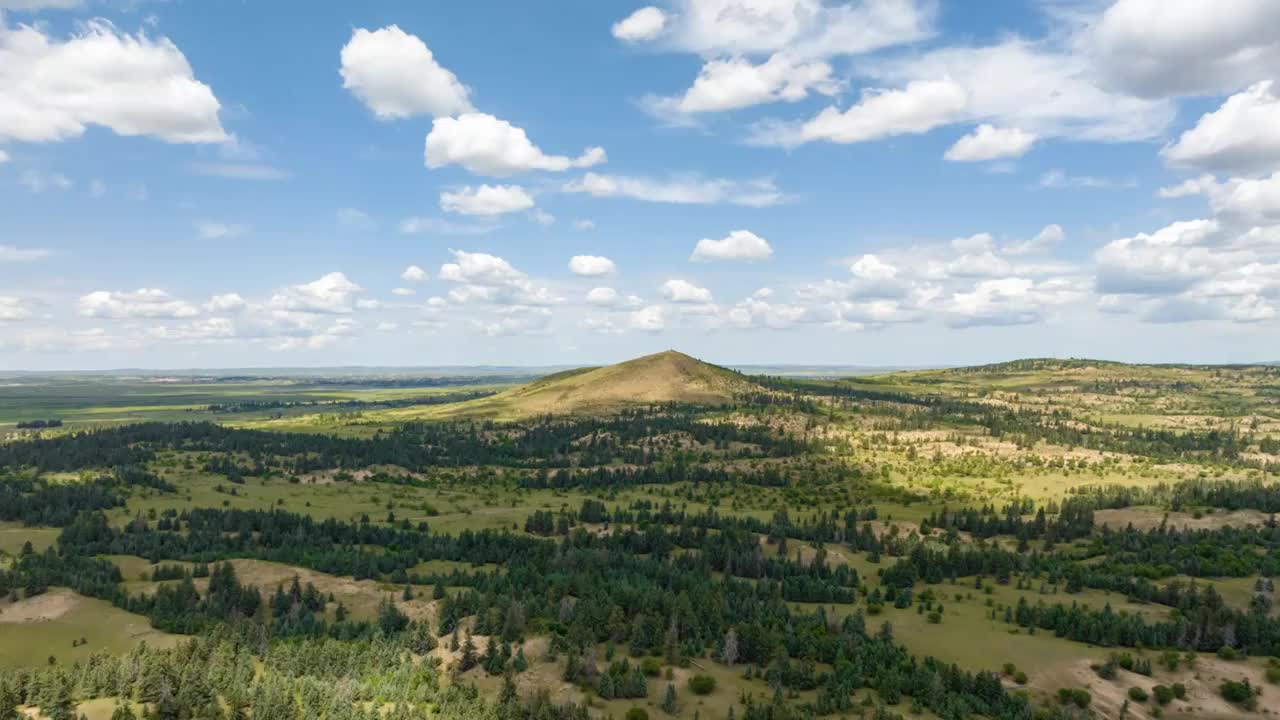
{"points": [[663, 377]]}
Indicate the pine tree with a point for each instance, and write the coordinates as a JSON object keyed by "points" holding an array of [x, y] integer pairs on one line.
{"points": [[669, 705]]}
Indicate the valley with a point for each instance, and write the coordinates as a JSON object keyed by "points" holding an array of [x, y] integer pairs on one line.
{"points": [[1033, 539]]}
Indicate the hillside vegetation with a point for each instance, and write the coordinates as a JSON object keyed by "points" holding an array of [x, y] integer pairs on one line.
{"points": [[661, 378]]}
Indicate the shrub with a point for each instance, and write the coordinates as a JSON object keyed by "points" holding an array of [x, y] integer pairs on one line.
{"points": [[1020, 678], [1137, 694], [1273, 675], [702, 684], [651, 667], [637, 713], [1074, 696], [1240, 693], [1179, 691], [1009, 668], [1226, 652], [1163, 693], [934, 618]]}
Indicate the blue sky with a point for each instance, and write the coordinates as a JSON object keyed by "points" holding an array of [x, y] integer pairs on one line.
{"points": [[201, 184]]}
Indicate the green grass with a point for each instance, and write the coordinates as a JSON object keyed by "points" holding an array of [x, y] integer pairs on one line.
{"points": [[105, 627], [14, 535]]}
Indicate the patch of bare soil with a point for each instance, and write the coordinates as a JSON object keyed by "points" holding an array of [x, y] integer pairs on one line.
{"points": [[1146, 519], [41, 608]]}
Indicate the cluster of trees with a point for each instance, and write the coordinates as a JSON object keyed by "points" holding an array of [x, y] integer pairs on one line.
{"points": [[38, 424]]}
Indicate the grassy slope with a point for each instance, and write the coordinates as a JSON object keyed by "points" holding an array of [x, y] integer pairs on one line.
{"points": [[660, 378]]}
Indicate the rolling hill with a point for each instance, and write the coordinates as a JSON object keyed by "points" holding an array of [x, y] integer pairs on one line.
{"points": [[663, 377]]}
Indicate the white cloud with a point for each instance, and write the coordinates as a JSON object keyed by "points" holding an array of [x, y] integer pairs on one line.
{"points": [[396, 76], [988, 142], [517, 320], [651, 318], [34, 5], [38, 181], [210, 230], [13, 253], [413, 273], [1058, 179], [486, 200], [12, 309], [355, 219], [1246, 200], [542, 217], [489, 279], [486, 145], [591, 265], [643, 24], [1047, 238], [1011, 301], [602, 296], [428, 225], [732, 83], [52, 89], [142, 303], [4, 157], [584, 225], [331, 294], [683, 291], [1037, 87], [917, 108], [403, 292], [1158, 48], [765, 51], [679, 190], [226, 303], [738, 245], [239, 171], [1242, 135], [1165, 262]]}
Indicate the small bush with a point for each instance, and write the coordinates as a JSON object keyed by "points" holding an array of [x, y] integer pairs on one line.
{"points": [[1074, 696], [1020, 678], [651, 667], [1179, 691], [1226, 652], [1163, 694], [1240, 693], [1009, 668], [702, 684], [1137, 694], [637, 713]]}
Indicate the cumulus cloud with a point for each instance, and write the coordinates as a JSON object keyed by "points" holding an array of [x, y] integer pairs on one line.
{"points": [[413, 273], [732, 83], [486, 200], [54, 88], [1241, 200], [226, 303], [396, 76], [12, 309], [141, 303], [1243, 135], [1048, 237], [776, 51], [489, 279], [333, 293], [1165, 262], [685, 190], [988, 142], [651, 318], [683, 291], [591, 265], [643, 24], [738, 245], [1159, 48], [1011, 301], [486, 145], [917, 108]]}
